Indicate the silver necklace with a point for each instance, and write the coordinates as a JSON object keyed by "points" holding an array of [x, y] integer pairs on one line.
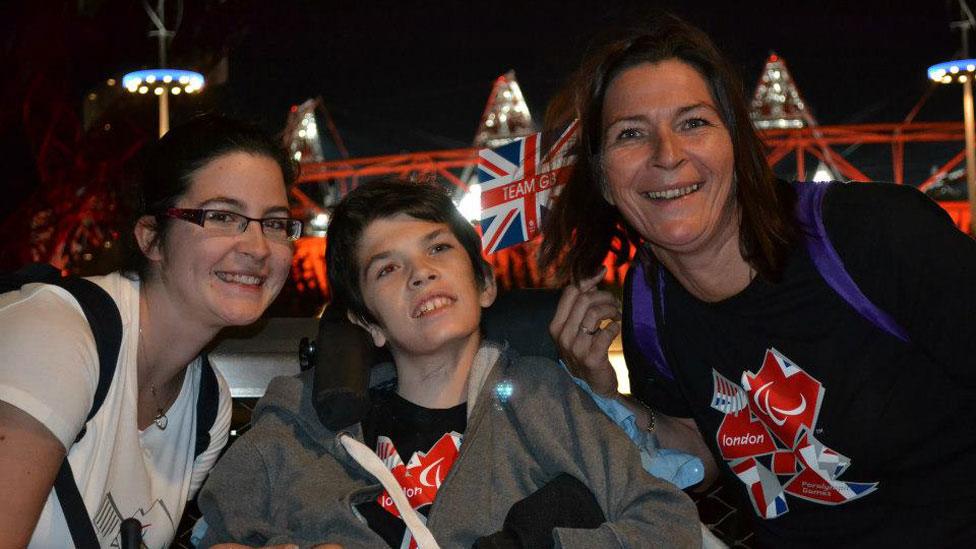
{"points": [[160, 420]]}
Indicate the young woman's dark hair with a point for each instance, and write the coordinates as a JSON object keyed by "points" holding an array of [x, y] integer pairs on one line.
{"points": [[581, 228], [381, 199], [168, 167]]}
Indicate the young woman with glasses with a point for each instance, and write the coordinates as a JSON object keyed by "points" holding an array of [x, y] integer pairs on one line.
{"points": [[195, 263]]}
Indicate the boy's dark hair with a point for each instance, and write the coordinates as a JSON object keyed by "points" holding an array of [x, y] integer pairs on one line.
{"points": [[168, 167], [381, 199]]}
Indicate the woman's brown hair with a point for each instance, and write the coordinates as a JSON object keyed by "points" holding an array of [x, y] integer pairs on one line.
{"points": [[583, 226]]}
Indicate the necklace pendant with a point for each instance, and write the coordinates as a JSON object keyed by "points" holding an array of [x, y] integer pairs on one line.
{"points": [[161, 420]]}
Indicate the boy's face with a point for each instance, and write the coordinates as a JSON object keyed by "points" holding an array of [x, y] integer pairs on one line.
{"points": [[419, 284]]}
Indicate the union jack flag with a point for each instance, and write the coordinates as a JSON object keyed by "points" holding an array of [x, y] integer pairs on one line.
{"points": [[517, 182], [728, 398]]}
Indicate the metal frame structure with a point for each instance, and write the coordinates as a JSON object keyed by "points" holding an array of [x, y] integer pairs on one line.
{"points": [[818, 142], [447, 165], [515, 267]]}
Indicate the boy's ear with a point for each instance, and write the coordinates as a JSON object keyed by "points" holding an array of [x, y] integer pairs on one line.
{"points": [[379, 338], [146, 237], [490, 292]]}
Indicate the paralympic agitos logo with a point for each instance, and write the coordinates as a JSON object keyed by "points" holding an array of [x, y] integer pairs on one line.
{"points": [[772, 416], [422, 475]]}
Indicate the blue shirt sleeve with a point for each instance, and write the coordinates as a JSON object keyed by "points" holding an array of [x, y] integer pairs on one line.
{"points": [[678, 468]]}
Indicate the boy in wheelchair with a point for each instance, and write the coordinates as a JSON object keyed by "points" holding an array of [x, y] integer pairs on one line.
{"points": [[469, 444]]}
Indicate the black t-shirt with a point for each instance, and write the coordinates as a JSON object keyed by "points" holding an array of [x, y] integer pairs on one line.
{"points": [[412, 429], [891, 422]]}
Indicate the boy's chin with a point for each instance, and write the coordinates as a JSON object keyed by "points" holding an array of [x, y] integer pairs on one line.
{"points": [[426, 344]]}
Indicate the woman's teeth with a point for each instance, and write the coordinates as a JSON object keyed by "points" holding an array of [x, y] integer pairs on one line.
{"points": [[673, 193], [432, 305], [238, 278]]}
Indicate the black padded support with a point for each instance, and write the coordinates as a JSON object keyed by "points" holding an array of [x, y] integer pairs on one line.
{"points": [[343, 356], [521, 318], [345, 352]]}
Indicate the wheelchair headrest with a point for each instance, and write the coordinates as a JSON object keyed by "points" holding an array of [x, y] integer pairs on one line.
{"points": [[345, 353], [521, 317]]}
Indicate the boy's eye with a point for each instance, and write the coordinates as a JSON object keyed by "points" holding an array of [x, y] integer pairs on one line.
{"points": [[385, 270]]}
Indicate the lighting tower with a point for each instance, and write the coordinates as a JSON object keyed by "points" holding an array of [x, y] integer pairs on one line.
{"points": [[506, 116], [776, 103], [963, 71], [163, 81]]}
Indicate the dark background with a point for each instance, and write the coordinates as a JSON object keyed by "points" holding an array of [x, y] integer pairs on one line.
{"points": [[414, 76]]}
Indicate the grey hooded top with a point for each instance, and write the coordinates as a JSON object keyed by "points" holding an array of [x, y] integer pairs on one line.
{"points": [[288, 480]]}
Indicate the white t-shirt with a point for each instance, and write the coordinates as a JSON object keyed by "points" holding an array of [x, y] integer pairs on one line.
{"points": [[50, 370]]}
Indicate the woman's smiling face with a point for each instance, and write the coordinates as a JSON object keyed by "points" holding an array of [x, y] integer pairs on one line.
{"points": [[667, 158], [219, 280]]}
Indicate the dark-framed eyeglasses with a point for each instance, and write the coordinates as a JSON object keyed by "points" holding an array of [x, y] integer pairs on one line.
{"points": [[222, 222]]}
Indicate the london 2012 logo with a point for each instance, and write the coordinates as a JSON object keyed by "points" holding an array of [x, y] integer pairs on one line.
{"points": [[767, 433]]}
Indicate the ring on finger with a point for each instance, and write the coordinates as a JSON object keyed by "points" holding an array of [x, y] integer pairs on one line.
{"points": [[588, 331]]}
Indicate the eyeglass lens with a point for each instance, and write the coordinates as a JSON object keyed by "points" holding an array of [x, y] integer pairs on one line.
{"points": [[280, 228]]}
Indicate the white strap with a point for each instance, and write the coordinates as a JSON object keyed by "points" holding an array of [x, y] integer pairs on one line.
{"points": [[709, 541], [486, 357], [372, 463]]}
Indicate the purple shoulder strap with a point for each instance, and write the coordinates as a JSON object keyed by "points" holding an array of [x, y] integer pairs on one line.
{"points": [[643, 318], [809, 212]]}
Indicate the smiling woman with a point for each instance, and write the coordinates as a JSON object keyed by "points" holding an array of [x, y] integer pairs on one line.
{"points": [[221, 273], [768, 327], [196, 263], [668, 161]]}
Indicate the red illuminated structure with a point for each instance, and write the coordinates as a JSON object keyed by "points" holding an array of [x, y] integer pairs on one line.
{"points": [[778, 111], [71, 215], [516, 266]]}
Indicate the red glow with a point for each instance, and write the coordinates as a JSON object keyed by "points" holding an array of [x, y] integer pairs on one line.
{"points": [[959, 212]]}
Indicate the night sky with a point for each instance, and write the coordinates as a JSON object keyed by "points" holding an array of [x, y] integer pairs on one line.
{"points": [[414, 79], [411, 76]]}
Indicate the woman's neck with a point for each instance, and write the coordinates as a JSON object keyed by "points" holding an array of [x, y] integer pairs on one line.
{"points": [[712, 274], [438, 380], [167, 340]]}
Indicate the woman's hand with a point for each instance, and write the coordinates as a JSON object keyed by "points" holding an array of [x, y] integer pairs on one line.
{"points": [[583, 335]]}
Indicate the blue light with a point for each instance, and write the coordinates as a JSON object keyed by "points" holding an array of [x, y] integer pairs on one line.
{"points": [[504, 390], [951, 70], [163, 77]]}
